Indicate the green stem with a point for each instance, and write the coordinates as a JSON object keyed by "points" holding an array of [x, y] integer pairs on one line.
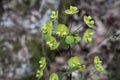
{"points": [[69, 57], [67, 72], [59, 52]]}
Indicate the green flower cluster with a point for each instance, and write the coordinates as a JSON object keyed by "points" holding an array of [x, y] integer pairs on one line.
{"points": [[51, 42], [98, 64], [53, 76], [88, 20], [47, 28], [54, 15], [76, 62], [71, 10], [88, 35], [42, 66], [61, 30]]}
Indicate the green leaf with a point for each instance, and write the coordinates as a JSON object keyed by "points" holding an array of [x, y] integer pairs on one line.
{"points": [[69, 71], [54, 15], [69, 40], [66, 46], [61, 30], [74, 62], [88, 20], [88, 35], [71, 10], [54, 76], [77, 39], [47, 28]]}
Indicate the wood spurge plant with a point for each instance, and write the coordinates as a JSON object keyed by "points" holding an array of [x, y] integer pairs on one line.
{"points": [[68, 39]]}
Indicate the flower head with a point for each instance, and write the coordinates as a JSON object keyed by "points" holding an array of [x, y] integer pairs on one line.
{"points": [[71, 10], [42, 66], [61, 30], [54, 15], [47, 28], [88, 35], [97, 63], [88, 20], [74, 62], [54, 76], [51, 42]]}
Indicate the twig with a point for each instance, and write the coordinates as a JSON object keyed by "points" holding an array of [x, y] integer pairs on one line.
{"points": [[92, 74], [59, 52], [78, 28]]}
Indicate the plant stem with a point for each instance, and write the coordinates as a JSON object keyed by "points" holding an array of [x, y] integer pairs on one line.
{"points": [[92, 74], [78, 28], [69, 57], [70, 27]]}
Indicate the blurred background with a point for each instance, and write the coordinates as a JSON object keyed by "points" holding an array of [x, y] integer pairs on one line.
{"points": [[22, 44]]}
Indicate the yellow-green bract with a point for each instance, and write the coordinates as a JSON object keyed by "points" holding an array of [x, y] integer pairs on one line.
{"points": [[98, 64], [88, 20], [82, 67], [53, 76], [71, 10], [39, 74], [42, 63], [88, 35], [47, 28], [51, 42], [54, 15], [61, 30]]}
